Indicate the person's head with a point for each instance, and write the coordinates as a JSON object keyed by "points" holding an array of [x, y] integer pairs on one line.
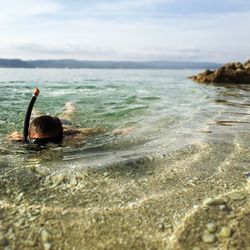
{"points": [[45, 129]]}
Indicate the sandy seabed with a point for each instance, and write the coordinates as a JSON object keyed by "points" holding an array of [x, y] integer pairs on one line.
{"points": [[195, 198]]}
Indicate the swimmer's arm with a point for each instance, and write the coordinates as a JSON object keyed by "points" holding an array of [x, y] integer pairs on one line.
{"points": [[81, 132], [89, 131], [15, 136]]}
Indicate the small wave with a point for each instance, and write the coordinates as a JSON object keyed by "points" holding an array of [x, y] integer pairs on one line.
{"points": [[230, 103], [151, 98], [123, 113], [16, 82], [131, 99], [228, 123], [88, 87]]}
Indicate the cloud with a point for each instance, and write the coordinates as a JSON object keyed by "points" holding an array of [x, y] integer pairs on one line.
{"points": [[199, 38], [45, 50], [165, 7], [118, 9], [65, 50], [129, 4], [28, 7], [122, 30]]}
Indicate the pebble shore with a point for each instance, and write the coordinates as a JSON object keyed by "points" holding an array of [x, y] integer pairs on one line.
{"points": [[158, 202]]}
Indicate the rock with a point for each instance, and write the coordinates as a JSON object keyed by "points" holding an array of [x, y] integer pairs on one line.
{"points": [[47, 246], [225, 232], [58, 179], [64, 212], [208, 238], [237, 196], [33, 218], [222, 207], [247, 174], [214, 202], [42, 171], [196, 248], [149, 158], [247, 64], [235, 73], [45, 236], [238, 65], [162, 226], [150, 172], [225, 208], [29, 243], [207, 72], [73, 181], [105, 174], [19, 197], [211, 227]]}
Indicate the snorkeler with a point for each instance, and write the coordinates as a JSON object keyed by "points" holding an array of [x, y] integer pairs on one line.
{"points": [[47, 129]]}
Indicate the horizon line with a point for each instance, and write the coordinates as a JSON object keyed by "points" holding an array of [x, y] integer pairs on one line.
{"points": [[113, 60]]}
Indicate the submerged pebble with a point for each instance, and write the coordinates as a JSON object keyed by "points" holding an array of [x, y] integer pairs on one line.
{"points": [[162, 226], [222, 207], [211, 227], [42, 171], [236, 196], [29, 243], [19, 197], [225, 232], [196, 248], [73, 181], [45, 236], [47, 246], [150, 172], [208, 238], [58, 179], [214, 201]]}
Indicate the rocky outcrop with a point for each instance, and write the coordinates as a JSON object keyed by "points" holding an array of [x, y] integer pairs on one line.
{"points": [[234, 73]]}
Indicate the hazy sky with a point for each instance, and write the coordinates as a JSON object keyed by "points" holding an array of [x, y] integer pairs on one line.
{"points": [[200, 30]]}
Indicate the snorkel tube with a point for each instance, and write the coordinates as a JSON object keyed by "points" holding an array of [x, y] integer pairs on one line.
{"points": [[28, 114]]}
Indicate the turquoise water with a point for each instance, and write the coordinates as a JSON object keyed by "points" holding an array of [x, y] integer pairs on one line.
{"points": [[161, 110]]}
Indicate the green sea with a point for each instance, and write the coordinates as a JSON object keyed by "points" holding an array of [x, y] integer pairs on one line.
{"points": [[162, 110]]}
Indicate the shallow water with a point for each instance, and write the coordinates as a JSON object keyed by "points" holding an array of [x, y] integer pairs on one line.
{"points": [[161, 111], [141, 189]]}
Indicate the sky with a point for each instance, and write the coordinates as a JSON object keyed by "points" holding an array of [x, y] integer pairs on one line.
{"points": [[135, 30]]}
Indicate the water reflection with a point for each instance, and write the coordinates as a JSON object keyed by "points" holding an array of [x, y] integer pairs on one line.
{"points": [[235, 102]]}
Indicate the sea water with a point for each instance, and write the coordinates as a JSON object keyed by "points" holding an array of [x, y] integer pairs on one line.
{"points": [[142, 113]]}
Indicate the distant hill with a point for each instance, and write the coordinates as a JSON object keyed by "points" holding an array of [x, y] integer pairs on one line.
{"points": [[14, 63], [77, 64]]}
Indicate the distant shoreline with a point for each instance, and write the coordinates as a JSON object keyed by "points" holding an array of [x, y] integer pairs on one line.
{"points": [[78, 64]]}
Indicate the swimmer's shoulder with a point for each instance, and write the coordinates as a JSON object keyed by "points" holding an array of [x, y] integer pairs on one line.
{"points": [[68, 131]]}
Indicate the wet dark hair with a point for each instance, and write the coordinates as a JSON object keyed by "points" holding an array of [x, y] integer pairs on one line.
{"points": [[46, 125]]}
